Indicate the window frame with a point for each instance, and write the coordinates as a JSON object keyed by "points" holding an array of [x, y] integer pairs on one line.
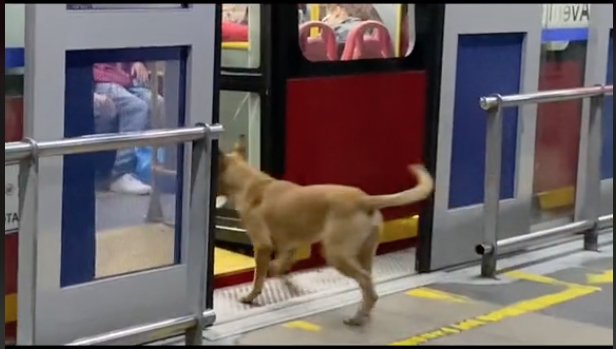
{"points": [[302, 67], [263, 54]]}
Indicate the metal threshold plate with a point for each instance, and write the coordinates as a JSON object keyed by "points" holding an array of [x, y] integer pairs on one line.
{"points": [[315, 284], [309, 284]]}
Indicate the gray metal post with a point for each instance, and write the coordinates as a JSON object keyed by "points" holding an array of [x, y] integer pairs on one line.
{"points": [[200, 210], [28, 242], [591, 200], [494, 139]]}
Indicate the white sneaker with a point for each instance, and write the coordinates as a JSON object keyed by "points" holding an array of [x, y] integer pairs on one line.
{"points": [[128, 184]]}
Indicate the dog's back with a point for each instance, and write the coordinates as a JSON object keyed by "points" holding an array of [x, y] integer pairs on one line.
{"points": [[299, 213]]}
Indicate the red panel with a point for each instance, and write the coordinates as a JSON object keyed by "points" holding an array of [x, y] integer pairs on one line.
{"points": [[11, 333], [357, 130], [10, 280], [234, 32], [558, 128], [10, 263], [13, 119]]}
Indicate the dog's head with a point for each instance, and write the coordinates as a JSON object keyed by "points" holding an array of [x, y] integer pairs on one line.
{"points": [[231, 171]]}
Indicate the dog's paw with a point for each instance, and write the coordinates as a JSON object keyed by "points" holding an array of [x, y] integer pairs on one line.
{"points": [[248, 299], [356, 320], [291, 287]]}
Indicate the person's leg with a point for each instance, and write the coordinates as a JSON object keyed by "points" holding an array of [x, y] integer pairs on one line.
{"points": [[156, 119], [132, 115], [105, 121], [145, 94], [105, 114]]}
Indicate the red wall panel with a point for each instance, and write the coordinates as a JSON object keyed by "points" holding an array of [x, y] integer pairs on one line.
{"points": [[558, 128], [357, 130]]}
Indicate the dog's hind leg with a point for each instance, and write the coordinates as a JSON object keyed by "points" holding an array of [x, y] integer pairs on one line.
{"points": [[367, 250], [281, 266], [351, 267], [282, 263]]}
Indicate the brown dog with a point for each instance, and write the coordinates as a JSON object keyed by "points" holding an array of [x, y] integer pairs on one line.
{"points": [[281, 216]]}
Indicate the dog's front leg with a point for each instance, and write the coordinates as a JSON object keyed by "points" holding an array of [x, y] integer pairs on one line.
{"points": [[263, 254]]}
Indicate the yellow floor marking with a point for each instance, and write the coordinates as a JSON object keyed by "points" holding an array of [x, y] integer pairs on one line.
{"points": [[226, 262], [10, 308], [541, 279], [572, 292], [303, 325], [606, 277], [428, 293], [515, 310]]}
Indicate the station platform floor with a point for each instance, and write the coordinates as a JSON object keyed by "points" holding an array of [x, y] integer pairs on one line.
{"points": [[554, 293], [573, 306], [550, 295]]}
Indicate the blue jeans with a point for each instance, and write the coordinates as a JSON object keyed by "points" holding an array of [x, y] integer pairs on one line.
{"points": [[133, 113]]}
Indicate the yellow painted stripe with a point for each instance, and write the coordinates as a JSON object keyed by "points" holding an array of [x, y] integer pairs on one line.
{"points": [[303, 325], [398, 28], [557, 198], [226, 262], [515, 310], [428, 293], [606, 277], [399, 229], [10, 308], [237, 46], [518, 275], [315, 15]]}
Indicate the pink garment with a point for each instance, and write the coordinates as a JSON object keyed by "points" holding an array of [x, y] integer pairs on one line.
{"points": [[118, 73]]}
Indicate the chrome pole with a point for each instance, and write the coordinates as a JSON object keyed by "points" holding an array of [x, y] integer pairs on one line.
{"points": [[494, 139]]}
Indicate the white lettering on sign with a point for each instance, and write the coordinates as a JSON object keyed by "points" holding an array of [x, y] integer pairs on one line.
{"points": [[565, 16], [11, 199]]}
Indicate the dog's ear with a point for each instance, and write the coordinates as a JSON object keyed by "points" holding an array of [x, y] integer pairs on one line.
{"points": [[240, 147]]}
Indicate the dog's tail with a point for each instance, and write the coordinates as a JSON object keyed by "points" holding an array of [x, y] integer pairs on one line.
{"points": [[422, 190]]}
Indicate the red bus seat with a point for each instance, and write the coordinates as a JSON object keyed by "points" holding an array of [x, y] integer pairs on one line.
{"points": [[320, 48], [234, 32], [361, 45]]}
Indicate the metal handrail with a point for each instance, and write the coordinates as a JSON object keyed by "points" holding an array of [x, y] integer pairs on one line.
{"points": [[17, 151], [490, 102], [569, 228], [27, 153], [590, 222], [147, 333]]}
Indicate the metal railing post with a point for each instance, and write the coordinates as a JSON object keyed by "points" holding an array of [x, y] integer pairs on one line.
{"points": [[592, 185], [589, 184], [28, 180], [194, 335], [494, 139], [202, 150]]}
